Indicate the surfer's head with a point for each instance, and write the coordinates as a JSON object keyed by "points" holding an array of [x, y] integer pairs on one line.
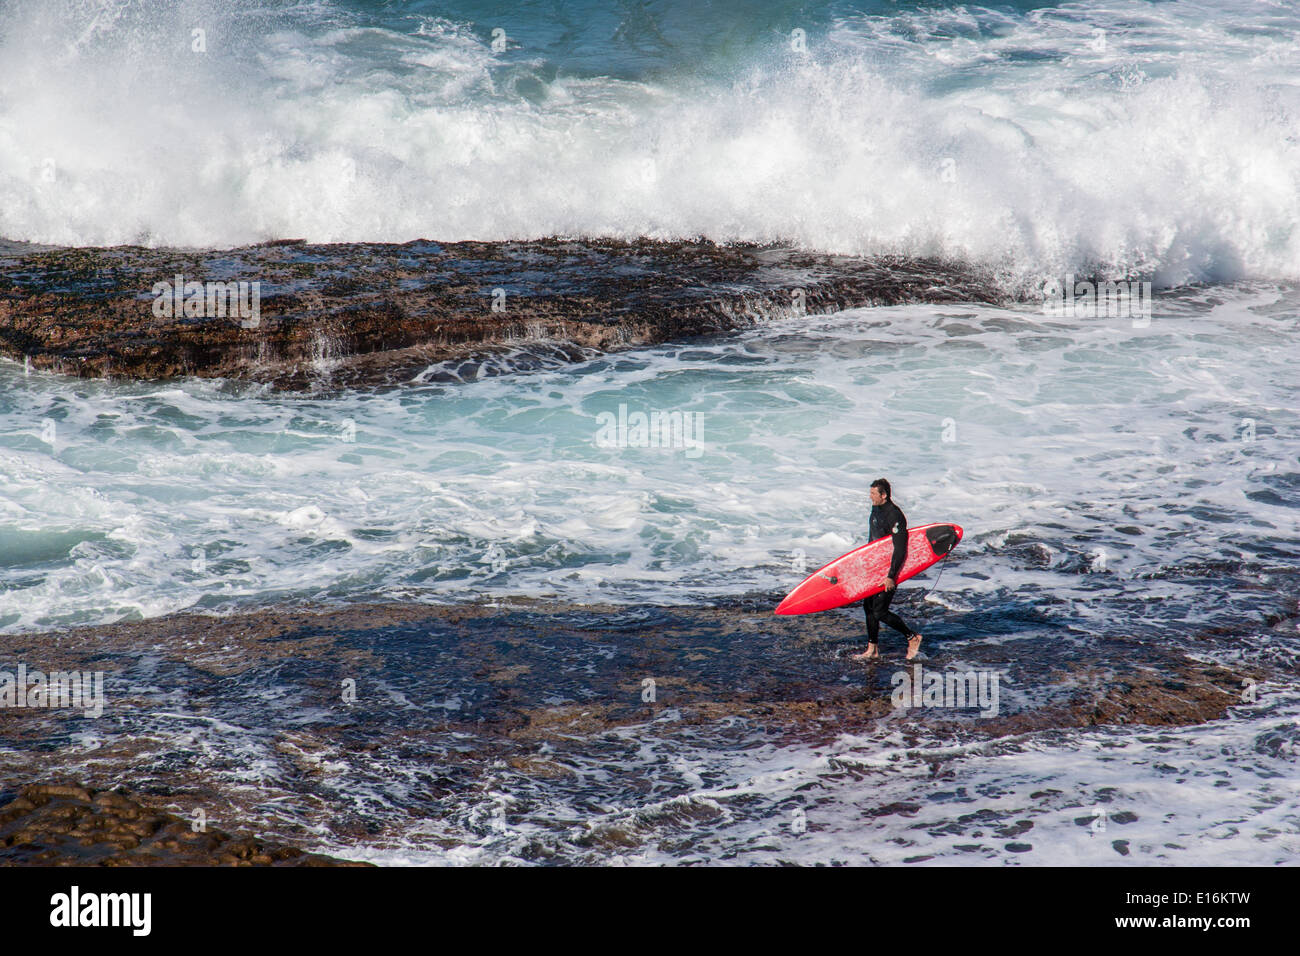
{"points": [[879, 491]]}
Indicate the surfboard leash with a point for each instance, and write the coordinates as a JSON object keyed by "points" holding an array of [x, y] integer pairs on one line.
{"points": [[943, 564]]}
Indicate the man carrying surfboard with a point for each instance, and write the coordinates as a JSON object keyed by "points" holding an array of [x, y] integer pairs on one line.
{"points": [[886, 519]]}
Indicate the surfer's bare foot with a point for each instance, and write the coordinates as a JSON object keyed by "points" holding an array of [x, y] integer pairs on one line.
{"points": [[870, 654], [913, 645]]}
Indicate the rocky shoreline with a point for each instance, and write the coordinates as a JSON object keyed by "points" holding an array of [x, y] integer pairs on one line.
{"points": [[331, 704], [369, 314]]}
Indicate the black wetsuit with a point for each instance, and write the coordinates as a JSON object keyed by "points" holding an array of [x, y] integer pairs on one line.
{"points": [[887, 519]]}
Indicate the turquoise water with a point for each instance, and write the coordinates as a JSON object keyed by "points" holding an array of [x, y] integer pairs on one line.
{"points": [[1143, 449]]}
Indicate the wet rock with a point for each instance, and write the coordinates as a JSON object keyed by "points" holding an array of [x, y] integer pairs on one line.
{"points": [[332, 316], [56, 824], [540, 691]]}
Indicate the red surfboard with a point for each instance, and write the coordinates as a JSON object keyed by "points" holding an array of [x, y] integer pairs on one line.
{"points": [[860, 573]]}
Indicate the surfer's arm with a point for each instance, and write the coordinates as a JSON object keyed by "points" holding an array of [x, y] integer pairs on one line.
{"points": [[899, 534]]}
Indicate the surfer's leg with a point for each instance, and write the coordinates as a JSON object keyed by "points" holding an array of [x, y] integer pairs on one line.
{"points": [[883, 613], [898, 624], [872, 613], [873, 631]]}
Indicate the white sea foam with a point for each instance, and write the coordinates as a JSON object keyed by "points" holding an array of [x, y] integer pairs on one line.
{"points": [[1212, 794], [1015, 140]]}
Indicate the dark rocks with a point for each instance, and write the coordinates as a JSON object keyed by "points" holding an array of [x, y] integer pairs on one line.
{"points": [[59, 825], [451, 701], [368, 314]]}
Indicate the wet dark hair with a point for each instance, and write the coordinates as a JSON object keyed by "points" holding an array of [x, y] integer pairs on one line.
{"points": [[883, 485]]}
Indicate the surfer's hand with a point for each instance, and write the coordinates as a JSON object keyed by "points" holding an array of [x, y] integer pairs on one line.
{"points": [[889, 584]]}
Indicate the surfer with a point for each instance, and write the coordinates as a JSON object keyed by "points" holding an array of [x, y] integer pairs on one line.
{"points": [[886, 519]]}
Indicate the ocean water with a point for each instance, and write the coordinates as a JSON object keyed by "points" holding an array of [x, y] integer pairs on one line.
{"points": [[1112, 480], [1059, 445], [1135, 135]]}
